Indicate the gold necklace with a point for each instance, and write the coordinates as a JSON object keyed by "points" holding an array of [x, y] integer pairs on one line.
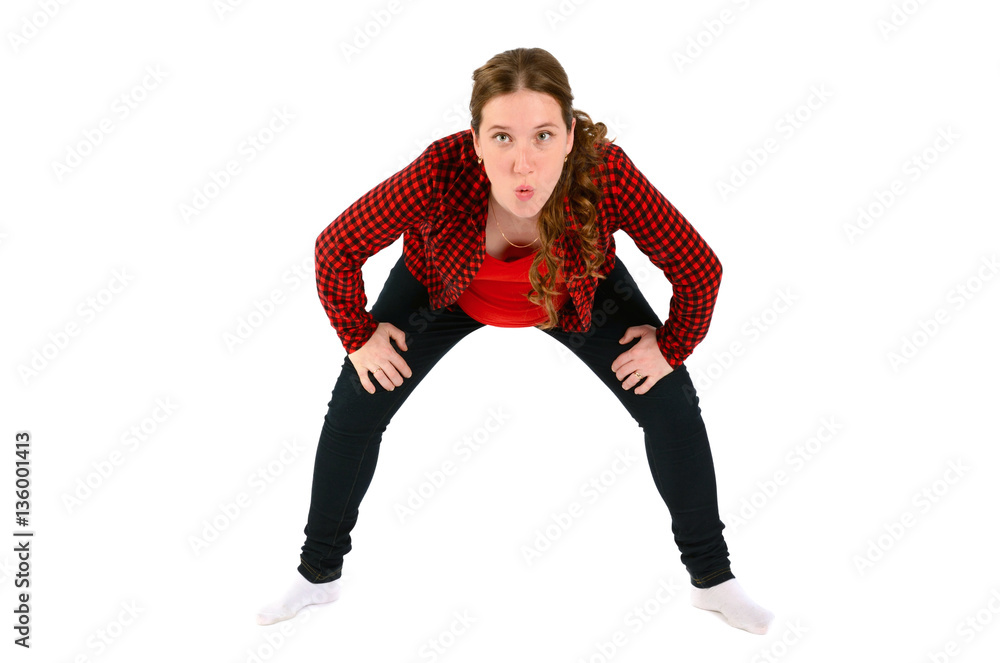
{"points": [[497, 220]]}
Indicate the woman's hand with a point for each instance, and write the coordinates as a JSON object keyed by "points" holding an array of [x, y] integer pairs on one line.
{"points": [[378, 356], [644, 357]]}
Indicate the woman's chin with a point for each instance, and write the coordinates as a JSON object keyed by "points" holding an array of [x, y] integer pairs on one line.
{"points": [[525, 209]]}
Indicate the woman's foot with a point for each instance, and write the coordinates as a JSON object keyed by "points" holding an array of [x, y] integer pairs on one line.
{"points": [[739, 610], [301, 594]]}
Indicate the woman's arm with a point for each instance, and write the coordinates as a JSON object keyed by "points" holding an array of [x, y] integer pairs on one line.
{"points": [[673, 245], [372, 223]]}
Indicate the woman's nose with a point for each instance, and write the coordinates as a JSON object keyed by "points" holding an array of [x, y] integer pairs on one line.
{"points": [[521, 162]]}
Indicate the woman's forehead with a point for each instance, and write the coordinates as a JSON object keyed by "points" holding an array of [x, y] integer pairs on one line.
{"points": [[524, 109]]}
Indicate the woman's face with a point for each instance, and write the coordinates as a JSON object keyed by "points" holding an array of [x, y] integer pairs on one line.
{"points": [[523, 143]]}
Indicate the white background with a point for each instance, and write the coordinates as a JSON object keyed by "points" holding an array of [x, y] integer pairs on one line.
{"points": [[356, 119]]}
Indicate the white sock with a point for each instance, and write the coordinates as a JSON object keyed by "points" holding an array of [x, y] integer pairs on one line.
{"points": [[739, 610], [301, 594]]}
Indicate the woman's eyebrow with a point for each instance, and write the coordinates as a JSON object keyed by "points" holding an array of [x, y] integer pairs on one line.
{"points": [[540, 126]]}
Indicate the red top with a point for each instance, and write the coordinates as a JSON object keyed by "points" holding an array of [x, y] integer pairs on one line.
{"points": [[498, 292]]}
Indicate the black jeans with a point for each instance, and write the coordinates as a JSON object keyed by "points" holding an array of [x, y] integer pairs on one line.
{"points": [[676, 441]]}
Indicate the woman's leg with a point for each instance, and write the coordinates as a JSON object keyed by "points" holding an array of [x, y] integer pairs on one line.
{"points": [[352, 434], [677, 446], [352, 429], [677, 449]]}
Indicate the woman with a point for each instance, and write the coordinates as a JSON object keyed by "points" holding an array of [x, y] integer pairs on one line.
{"points": [[510, 224]]}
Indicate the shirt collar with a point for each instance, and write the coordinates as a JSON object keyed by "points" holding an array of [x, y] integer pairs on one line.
{"points": [[470, 189]]}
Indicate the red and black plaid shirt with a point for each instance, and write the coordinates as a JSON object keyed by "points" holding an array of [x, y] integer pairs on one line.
{"points": [[438, 204]]}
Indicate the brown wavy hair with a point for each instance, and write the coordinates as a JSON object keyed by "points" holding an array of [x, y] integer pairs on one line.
{"points": [[537, 70]]}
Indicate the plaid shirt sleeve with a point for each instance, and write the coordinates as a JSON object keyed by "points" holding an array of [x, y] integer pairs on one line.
{"points": [[673, 245], [372, 223]]}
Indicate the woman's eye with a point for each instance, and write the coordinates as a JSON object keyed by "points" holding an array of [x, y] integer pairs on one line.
{"points": [[499, 136], [544, 133]]}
